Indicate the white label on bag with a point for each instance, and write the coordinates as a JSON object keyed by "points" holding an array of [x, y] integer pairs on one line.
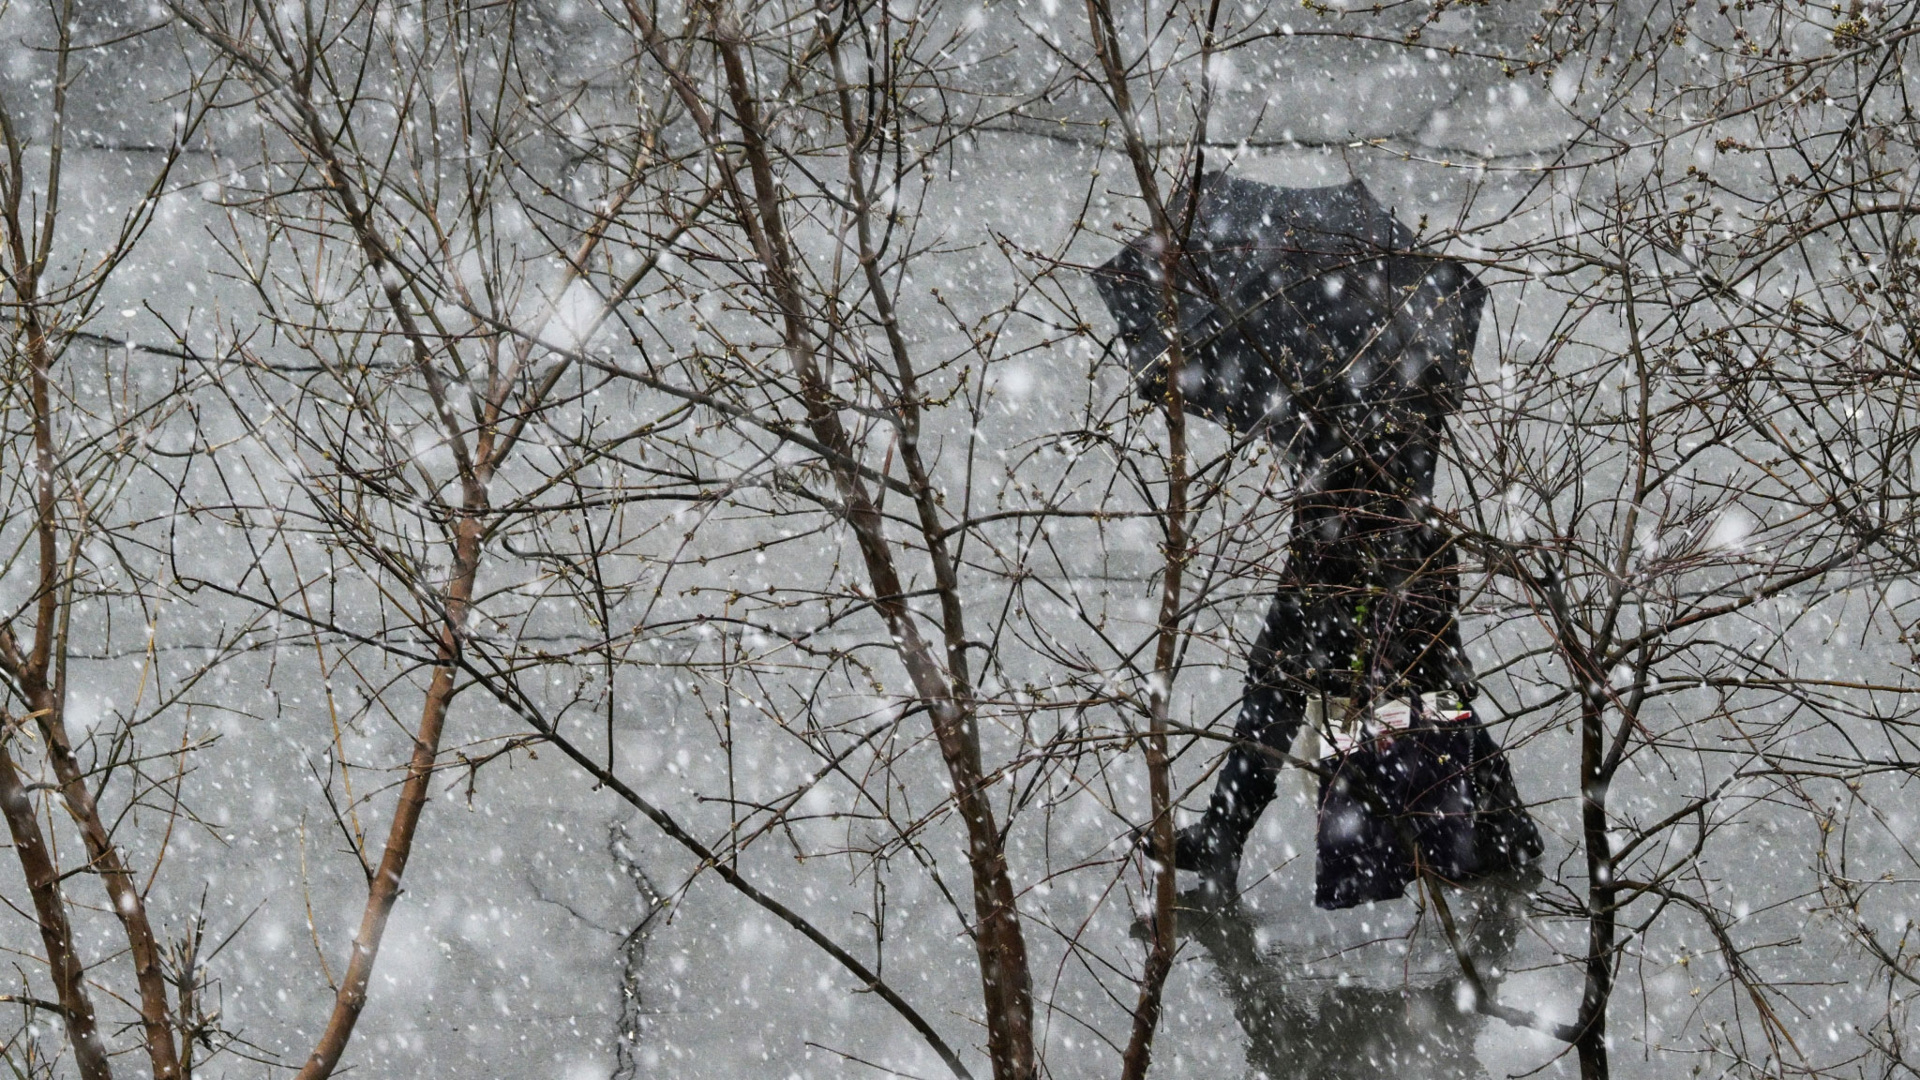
{"points": [[1451, 710], [1343, 727], [1394, 715]]}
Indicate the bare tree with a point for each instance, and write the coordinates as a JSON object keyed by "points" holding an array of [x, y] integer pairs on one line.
{"points": [[597, 359], [79, 534]]}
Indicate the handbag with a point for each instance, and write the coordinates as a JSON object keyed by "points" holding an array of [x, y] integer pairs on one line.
{"points": [[1410, 788]]}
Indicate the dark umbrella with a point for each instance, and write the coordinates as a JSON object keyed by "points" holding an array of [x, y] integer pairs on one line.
{"points": [[1301, 311]]}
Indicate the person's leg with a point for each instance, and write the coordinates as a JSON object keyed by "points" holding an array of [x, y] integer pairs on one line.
{"points": [[1271, 713]]}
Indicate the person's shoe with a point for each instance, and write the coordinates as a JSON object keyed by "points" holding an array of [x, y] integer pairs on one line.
{"points": [[1211, 849]]}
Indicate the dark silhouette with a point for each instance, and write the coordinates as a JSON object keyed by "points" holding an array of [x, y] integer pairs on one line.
{"points": [[1305, 317]]}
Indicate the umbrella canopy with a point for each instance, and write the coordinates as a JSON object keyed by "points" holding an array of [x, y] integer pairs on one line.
{"points": [[1304, 314]]}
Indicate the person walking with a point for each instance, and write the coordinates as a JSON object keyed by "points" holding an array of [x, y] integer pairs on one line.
{"points": [[1306, 317]]}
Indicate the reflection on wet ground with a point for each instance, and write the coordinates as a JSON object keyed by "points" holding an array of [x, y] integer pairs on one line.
{"points": [[1388, 1008]]}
